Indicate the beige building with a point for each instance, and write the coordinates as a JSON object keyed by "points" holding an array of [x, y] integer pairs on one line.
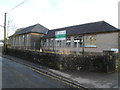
{"points": [[103, 41], [27, 38], [90, 37]]}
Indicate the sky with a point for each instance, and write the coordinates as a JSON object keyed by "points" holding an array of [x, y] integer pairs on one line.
{"points": [[56, 13]]}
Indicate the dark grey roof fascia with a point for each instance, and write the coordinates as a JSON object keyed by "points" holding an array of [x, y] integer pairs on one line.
{"points": [[89, 28]]}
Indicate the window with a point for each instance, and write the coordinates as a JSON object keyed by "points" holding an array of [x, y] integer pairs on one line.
{"points": [[68, 41], [23, 39], [90, 41], [78, 41], [44, 43], [59, 43], [50, 42]]}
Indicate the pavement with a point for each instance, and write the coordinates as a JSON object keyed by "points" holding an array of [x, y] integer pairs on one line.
{"points": [[0, 75], [88, 79], [91, 79]]}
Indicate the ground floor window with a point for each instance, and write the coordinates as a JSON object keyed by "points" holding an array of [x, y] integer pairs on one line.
{"points": [[90, 41], [68, 41], [78, 41], [58, 43], [44, 43], [51, 42]]}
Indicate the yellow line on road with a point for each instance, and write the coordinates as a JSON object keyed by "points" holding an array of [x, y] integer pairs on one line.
{"points": [[49, 75], [54, 78]]}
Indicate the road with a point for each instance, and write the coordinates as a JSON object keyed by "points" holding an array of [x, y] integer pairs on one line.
{"points": [[15, 75], [0, 69]]}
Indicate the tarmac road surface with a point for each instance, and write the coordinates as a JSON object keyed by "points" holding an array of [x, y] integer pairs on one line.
{"points": [[15, 75]]}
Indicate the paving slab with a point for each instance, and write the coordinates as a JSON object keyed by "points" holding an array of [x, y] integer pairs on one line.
{"points": [[91, 79]]}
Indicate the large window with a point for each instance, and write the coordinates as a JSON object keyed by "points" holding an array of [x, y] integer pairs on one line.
{"points": [[68, 41], [78, 41], [90, 41], [50, 42], [44, 43], [58, 43], [23, 40]]}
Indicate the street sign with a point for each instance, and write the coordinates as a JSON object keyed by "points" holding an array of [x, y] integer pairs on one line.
{"points": [[60, 35]]}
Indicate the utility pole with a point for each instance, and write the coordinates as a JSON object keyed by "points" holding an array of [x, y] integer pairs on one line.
{"points": [[5, 15], [5, 32]]}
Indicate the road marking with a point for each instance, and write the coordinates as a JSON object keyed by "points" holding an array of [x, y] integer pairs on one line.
{"points": [[55, 78], [31, 68]]}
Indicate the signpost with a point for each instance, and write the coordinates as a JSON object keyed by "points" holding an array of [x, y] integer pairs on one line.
{"points": [[60, 35]]}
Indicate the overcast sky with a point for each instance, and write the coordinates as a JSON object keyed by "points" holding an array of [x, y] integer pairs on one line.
{"points": [[57, 13]]}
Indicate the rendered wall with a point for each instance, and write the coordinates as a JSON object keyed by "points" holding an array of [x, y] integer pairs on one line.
{"points": [[103, 41]]}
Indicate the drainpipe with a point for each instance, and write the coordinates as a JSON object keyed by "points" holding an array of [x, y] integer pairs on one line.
{"points": [[83, 45]]}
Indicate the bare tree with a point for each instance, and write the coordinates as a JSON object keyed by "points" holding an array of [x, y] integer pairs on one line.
{"points": [[11, 27]]}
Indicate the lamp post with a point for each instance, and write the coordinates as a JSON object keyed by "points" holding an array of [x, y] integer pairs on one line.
{"points": [[5, 15]]}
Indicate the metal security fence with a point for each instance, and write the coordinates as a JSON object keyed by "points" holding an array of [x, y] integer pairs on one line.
{"points": [[98, 63]]}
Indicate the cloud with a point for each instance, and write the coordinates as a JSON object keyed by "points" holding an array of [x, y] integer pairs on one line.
{"points": [[62, 13], [2, 10]]}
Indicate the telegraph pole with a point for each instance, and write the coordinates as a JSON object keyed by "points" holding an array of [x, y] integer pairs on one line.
{"points": [[5, 15], [5, 32]]}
